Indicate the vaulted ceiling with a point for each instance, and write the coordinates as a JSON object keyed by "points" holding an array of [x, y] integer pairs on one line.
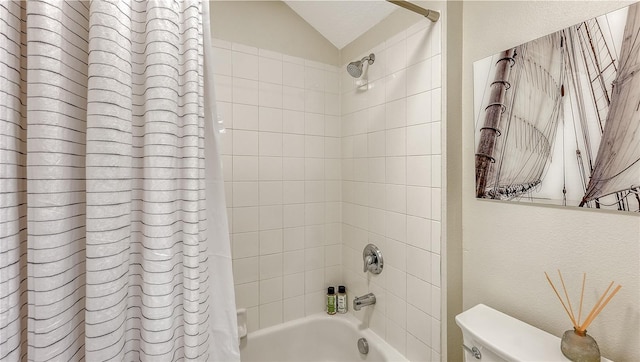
{"points": [[341, 22]]}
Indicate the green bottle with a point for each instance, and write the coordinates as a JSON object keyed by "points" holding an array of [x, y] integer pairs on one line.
{"points": [[331, 301]]}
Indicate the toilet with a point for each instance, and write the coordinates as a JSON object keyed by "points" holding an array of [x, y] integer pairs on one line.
{"points": [[492, 336]]}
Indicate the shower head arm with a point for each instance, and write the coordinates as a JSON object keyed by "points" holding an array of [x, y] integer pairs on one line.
{"points": [[370, 58]]}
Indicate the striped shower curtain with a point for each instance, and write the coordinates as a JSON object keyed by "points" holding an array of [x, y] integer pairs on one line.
{"points": [[105, 250]]}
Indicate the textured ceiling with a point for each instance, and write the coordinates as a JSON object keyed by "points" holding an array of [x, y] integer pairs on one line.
{"points": [[341, 22]]}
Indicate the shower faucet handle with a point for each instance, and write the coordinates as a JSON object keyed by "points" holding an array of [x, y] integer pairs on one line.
{"points": [[368, 261], [372, 259]]}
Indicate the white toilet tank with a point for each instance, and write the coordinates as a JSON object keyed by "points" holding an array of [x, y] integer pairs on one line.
{"points": [[499, 337]]}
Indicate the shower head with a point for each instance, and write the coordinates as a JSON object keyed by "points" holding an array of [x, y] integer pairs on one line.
{"points": [[355, 68]]}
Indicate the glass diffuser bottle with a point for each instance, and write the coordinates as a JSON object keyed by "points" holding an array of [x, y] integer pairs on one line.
{"points": [[577, 345]]}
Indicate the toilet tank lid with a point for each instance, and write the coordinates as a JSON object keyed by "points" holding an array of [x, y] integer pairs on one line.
{"points": [[510, 338]]}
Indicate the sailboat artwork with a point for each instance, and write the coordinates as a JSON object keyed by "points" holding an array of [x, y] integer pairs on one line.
{"points": [[558, 118]]}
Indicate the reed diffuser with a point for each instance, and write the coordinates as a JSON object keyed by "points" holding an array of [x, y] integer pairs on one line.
{"points": [[576, 344]]}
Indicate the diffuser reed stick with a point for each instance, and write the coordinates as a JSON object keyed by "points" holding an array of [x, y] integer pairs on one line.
{"points": [[597, 308], [593, 315], [561, 301], [584, 279], [573, 317]]}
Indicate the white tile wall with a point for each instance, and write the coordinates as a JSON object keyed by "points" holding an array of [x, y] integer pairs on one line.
{"points": [[391, 188], [282, 164], [317, 166]]}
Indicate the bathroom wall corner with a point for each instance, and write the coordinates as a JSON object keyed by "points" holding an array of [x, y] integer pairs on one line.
{"points": [[452, 228]]}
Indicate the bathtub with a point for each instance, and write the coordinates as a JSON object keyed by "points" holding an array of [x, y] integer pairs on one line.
{"points": [[316, 338]]}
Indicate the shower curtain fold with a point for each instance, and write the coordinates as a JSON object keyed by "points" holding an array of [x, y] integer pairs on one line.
{"points": [[109, 250], [225, 330]]}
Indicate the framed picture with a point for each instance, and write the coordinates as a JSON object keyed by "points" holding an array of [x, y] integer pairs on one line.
{"points": [[558, 118]]}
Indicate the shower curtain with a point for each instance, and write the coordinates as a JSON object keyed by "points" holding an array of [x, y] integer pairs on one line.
{"points": [[114, 244]]}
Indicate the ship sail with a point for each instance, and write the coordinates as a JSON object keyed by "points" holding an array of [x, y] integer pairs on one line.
{"points": [[617, 165], [524, 128]]}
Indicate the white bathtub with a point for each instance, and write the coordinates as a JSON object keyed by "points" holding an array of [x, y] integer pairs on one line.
{"points": [[316, 338]]}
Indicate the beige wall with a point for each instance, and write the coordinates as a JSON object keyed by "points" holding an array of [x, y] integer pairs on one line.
{"points": [[507, 247], [270, 25]]}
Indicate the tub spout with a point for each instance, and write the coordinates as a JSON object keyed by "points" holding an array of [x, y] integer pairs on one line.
{"points": [[367, 299]]}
